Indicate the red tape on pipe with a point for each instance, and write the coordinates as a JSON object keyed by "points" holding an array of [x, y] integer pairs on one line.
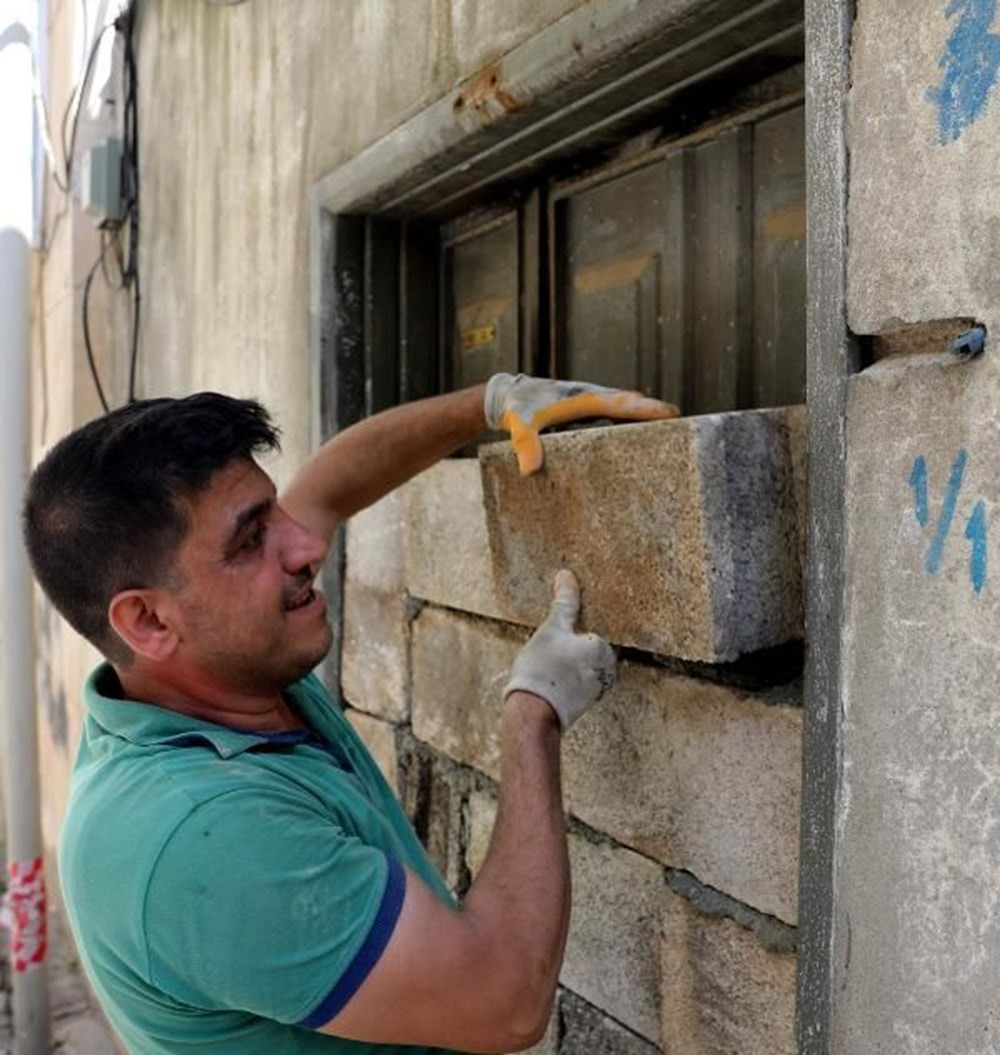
{"points": [[25, 913]]}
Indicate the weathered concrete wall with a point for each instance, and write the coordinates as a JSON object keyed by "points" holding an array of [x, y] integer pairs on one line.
{"points": [[917, 919], [243, 109]]}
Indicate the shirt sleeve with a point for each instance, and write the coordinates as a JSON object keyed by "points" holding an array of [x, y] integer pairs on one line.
{"points": [[267, 906]]}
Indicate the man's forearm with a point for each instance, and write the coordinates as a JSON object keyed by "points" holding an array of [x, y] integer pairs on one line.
{"points": [[368, 460], [524, 884]]}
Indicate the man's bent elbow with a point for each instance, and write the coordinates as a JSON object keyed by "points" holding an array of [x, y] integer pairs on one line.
{"points": [[527, 1017]]}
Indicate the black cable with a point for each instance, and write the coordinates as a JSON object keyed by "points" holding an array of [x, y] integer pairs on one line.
{"points": [[78, 96], [130, 160], [86, 326], [128, 262]]}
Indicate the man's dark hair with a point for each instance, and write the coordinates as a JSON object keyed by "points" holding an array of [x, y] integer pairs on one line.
{"points": [[105, 509]]}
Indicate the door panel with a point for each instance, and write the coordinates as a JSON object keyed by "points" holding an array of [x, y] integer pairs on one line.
{"points": [[610, 240], [720, 273], [779, 260], [481, 293]]}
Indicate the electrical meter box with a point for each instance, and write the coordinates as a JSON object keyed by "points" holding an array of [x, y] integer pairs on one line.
{"points": [[101, 182]]}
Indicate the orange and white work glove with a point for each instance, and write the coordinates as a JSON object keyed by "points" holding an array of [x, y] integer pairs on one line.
{"points": [[570, 671], [523, 406]]}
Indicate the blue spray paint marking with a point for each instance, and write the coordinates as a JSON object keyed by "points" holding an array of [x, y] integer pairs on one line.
{"points": [[975, 532], [918, 481], [947, 512], [971, 61]]}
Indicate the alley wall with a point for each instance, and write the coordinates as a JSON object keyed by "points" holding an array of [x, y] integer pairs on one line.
{"points": [[683, 788]]}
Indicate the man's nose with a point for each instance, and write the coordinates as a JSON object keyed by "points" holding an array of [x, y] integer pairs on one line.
{"points": [[302, 547]]}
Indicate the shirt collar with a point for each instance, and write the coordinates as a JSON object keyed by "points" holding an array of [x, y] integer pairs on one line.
{"points": [[147, 724]]}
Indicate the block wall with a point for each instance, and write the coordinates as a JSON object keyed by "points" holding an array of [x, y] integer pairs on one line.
{"points": [[682, 786]]}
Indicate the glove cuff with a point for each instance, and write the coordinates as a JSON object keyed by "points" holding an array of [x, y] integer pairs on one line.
{"points": [[496, 395], [542, 691]]}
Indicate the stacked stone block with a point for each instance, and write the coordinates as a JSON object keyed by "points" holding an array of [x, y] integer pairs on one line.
{"points": [[682, 787]]}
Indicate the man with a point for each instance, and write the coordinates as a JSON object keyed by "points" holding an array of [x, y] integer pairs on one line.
{"points": [[236, 872]]}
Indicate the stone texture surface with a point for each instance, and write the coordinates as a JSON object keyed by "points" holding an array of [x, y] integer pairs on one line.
{"points": [[722, 991], [917, 919], [444, 823], [586, 1031], [447, 546], [481, 815], [374, 672], [612, 954], [460, 666], [687, 535], [380, 739], [699, 776], [375, 547]]}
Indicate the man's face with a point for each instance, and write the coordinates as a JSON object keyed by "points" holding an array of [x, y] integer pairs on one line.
{"points": [[249, 617]]}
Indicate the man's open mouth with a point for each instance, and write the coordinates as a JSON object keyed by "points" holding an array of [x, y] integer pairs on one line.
{"points": [[300, 600]]}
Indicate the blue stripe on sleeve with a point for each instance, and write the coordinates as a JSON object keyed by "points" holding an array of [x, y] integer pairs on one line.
{"points": [[371, 949]]}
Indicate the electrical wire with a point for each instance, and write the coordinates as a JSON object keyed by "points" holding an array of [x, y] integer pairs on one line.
{"points": [[130, 182], [77, 98], [86, 324], [111, 232]]}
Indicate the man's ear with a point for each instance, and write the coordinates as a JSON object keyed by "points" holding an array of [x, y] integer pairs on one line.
{"points": [[141, 618]]}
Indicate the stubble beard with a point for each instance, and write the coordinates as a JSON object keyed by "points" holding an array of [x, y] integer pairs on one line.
{"points": [[264, 671]]}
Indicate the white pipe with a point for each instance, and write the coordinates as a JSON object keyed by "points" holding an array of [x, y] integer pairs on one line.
{"points": [[25, 907]]}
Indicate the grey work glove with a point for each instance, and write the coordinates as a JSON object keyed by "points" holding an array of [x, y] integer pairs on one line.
{"points": [[570, 671], [523, 406]]}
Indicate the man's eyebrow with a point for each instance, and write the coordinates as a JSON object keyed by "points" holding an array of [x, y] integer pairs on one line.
{"points": [[246, 517]]}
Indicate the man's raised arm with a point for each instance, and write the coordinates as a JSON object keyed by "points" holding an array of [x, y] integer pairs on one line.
{"points": [[482, 978], [368, 460]]}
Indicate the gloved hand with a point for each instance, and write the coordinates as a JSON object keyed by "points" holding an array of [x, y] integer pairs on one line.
{"points": [[523, 406], [570, 671]]}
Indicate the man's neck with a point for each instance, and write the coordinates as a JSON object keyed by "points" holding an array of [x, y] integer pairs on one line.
{"points": [[269, 713]]}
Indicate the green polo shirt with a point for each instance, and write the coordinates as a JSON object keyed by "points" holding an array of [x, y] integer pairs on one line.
{"points": [[230, 891]]}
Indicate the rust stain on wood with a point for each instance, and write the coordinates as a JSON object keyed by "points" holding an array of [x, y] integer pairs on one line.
{"points": [[479, 337], [787, 224], [482, 313], [625, 271]]}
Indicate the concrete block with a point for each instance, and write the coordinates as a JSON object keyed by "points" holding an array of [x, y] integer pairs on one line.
{"points": [[586, 1031], [612, 954], [380, 739], [722, 990], [375, 545], [687, 535], [447, 546], [460, 666], [444, 818], [480, 816], [699, 776], [374, 670]]}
